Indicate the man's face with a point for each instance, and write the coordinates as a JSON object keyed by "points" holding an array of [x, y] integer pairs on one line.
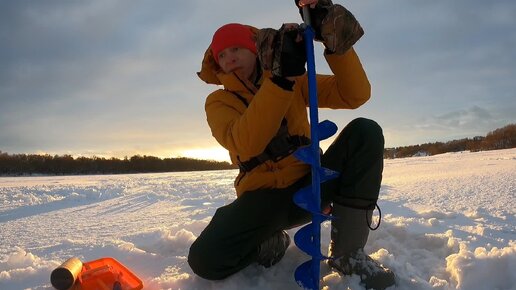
{"points": [[239, 60]]}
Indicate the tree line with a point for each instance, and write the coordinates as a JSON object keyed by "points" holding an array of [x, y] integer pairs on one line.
{"points": [[29, 164], [502, 138]]}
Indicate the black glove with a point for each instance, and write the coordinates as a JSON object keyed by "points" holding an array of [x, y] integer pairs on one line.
{"points": [[282, 51], [293, 53]]}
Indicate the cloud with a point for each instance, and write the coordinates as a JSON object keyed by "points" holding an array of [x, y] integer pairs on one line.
{"points": [[114, 74], [461, 120], [463, 123]]}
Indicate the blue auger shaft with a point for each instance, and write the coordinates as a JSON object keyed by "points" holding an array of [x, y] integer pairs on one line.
{"points": [[314, 135]]}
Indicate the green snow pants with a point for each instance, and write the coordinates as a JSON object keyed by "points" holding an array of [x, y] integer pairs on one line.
{"points": [[230, 241]]}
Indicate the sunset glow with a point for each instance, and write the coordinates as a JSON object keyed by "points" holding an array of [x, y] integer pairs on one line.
{"points": [[213, 153]]}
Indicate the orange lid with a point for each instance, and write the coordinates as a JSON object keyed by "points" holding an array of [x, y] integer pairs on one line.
{"points": [[107, 274]]}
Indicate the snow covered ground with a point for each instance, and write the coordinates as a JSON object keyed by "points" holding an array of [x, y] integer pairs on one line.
{"points": [[449, 223]]}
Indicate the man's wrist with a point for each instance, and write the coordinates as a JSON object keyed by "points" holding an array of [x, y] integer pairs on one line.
{"points": [[286, 83]]}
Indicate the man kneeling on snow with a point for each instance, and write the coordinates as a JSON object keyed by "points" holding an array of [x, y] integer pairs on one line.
{"points": [[260, 117]]}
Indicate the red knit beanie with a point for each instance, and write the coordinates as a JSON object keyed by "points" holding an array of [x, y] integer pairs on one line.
{"points": [[233, 34]]}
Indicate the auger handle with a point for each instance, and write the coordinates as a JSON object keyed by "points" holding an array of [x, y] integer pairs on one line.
{"points": [[306, 15]]}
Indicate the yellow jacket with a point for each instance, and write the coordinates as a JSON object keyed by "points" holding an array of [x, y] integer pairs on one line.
{"points": [[246, 131]]}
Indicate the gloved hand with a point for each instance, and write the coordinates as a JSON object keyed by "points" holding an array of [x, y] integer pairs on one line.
{"points": [[282, 51], [317, 14], [334, 25]]}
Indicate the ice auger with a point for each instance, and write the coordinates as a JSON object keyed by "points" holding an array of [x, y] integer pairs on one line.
{"points": [[308, 238]]}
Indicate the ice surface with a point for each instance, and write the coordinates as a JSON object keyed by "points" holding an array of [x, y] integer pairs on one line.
{"points": [[448, 223]]}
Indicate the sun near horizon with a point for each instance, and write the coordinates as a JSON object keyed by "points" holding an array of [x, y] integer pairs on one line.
{"points": [[211, 153]]}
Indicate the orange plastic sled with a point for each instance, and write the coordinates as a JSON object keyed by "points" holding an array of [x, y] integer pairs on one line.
{"points": [[107, 274]]}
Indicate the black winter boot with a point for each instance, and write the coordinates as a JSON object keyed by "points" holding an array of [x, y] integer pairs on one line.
{"points": [[349, 233], [272, 250]]}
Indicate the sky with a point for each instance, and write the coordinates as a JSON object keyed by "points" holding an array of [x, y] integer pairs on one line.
{"points": [[116, 78]]}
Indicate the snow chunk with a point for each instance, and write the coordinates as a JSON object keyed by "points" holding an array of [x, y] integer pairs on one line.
{"points": [[22, 264], [179, 241], [483, 269]]}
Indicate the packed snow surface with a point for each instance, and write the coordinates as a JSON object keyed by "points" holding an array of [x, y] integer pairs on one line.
{"points": [[448, 223]]}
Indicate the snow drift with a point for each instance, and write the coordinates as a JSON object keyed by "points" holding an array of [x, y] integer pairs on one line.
{"points": [[449, 223]]}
